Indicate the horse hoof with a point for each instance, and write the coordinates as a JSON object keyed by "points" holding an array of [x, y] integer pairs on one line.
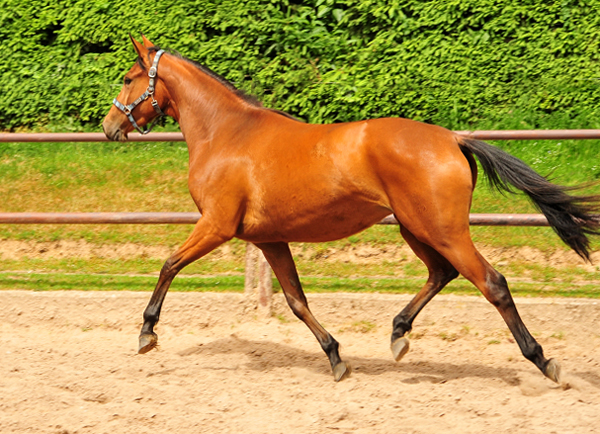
{"points": [[399, 348], [148, 341], [552, 370], [341, 370]]}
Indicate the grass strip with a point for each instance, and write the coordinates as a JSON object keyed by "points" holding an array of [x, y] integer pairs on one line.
{"points": [[235, 283], [103, 282], [459, 287]]}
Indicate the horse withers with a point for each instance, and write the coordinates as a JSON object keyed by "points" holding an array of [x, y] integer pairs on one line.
{"points": [[262, 176]]}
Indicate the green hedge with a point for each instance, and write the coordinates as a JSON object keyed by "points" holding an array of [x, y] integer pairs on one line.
{"points": [[458, 63]]}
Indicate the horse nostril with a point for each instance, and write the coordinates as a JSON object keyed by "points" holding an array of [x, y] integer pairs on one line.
{"points": [[110, 135]]}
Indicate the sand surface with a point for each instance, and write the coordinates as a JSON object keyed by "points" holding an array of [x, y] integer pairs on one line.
{"points": [[68, 364]]}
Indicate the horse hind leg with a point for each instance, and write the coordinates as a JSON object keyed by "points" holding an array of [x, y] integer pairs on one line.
{"points": [[469, 262], [441, 272], [495, 289]]}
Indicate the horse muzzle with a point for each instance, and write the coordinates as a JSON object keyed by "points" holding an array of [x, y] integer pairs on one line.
{"points": [[114, 133]]}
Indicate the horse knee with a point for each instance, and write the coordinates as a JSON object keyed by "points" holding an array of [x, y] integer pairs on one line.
{"points": [[299, 307]]}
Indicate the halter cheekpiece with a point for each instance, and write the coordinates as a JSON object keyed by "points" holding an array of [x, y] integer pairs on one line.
{"points": [[127, 109]]}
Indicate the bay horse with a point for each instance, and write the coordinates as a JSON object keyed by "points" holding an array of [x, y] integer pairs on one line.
{"points": [[262, 176]]}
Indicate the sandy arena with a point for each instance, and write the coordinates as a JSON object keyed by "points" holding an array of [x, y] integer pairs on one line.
{"points": [[68, 364]]}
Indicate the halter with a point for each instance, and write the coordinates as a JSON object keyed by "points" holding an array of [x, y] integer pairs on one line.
{"points": [[127, 109]]}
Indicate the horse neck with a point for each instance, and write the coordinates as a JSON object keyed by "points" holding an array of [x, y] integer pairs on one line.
{"points": [[204, 105]]}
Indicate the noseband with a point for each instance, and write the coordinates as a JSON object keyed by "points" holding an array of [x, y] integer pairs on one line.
{"points": [[127, 109]]}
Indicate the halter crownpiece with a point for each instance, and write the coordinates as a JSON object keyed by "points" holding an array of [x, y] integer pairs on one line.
{"points": [[127, 109]]}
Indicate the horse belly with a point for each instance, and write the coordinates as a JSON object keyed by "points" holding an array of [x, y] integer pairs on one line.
{"points": [[325, 223]]}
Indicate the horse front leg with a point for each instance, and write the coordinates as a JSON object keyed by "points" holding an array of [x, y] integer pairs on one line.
{"points": [[280, 258], [203, 239]]}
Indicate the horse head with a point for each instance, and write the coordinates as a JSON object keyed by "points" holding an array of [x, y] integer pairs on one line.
{"points": [[143, 96]]}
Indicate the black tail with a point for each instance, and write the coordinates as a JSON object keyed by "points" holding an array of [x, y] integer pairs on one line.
{"points": [[571, 217]]}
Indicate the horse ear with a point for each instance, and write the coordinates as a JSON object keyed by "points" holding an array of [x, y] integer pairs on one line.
{"points": [[139, 48], [147, 42]]}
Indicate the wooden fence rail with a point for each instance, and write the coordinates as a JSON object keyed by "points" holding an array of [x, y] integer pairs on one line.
{"points": [[193, 217], [178, 137]]}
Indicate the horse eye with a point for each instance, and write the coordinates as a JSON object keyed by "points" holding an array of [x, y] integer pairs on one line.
{"points": [[127, 80]]}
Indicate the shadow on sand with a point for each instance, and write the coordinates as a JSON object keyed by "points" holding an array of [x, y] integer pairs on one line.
{"points": [[265, 356]]}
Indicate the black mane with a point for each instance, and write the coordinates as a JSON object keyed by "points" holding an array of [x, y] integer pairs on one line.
{"points": [[250, 99]]}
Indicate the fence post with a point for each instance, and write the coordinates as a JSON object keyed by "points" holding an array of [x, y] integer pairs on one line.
{"points": [[258, 284]]}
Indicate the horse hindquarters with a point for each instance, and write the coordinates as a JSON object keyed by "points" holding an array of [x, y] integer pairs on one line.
{"points": [[434, 215]]}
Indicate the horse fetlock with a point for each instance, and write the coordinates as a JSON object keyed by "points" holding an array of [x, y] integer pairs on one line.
{"points": [[400, 327], [148, 341], [399, 332]]}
